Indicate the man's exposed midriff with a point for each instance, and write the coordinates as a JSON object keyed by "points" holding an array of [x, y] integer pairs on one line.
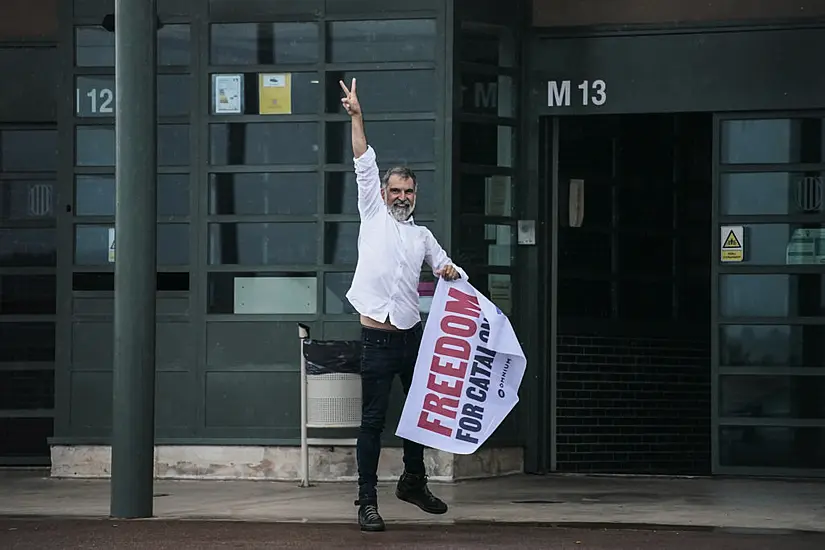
{"points": [[372, 323]]}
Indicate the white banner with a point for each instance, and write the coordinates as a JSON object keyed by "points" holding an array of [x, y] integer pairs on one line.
{"points": [[467, 376]]}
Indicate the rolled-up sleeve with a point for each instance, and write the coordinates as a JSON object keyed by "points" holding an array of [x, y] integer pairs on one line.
{"points": [[437, 257], [369, 184]]}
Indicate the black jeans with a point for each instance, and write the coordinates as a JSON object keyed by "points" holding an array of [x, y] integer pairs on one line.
{"points": [[385, 354]]}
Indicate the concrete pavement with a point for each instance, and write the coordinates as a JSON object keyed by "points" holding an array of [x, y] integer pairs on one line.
{"points": [[186, 535], [558, 500]]}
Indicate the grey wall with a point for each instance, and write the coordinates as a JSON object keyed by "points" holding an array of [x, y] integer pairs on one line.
{"points": [[703, 71], [568, 13]]}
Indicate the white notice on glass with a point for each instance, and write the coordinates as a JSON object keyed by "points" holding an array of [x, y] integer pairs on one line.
{"points": [[228, 92]]}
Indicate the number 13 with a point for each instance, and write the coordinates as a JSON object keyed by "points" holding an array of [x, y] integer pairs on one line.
{"points": [[599, 88]]}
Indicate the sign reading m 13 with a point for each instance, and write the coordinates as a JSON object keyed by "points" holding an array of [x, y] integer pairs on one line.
{"points": [[589, 92]]}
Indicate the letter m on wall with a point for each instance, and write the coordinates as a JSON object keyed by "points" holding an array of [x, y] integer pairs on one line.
{"points": [[558, 94]]}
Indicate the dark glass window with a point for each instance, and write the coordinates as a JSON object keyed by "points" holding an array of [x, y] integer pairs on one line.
{"points": [[771, 295], [486, 144], [771, 447], [487, 48], [341, 243], [168, 281], [263, 243], [95, 96], [92, 244], [26, 390], [381, 41], [262, 293], [485, 94], [772, 346], [22, 342], [486, 244], [95, 145], [263, 193], [394, 142], [264, 143], [490, 195], [385, 91], [795, 397], [26, 200], [264, 43], [304, 97], [27, 247], [27, 294], [772, 141], [173, 195], [95, 195], [342, 193], [95, 46], [26, 437], [173, 145], [771, 193], [28, 150], [336, 286], [783, 244]]}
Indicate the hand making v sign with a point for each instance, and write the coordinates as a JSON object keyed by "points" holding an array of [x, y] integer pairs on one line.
{"points": [[350, 99]]}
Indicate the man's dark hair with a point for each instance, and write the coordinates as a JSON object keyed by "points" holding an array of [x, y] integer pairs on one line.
{"points": [[404, 172]]}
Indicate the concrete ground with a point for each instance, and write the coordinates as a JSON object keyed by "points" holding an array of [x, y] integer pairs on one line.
{"points": [[185, 535], [555, 500]]}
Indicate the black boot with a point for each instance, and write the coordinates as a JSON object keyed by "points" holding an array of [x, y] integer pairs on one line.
{"points": [[413, 488], [368, 517]]}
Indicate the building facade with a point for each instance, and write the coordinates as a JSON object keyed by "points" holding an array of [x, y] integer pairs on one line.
{"points": [[586, 163]]}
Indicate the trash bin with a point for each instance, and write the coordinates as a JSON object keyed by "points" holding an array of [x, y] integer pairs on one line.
{"points": [[333, 383], [330, 390]]}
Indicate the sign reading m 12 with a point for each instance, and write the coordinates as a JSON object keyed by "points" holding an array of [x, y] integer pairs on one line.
{"points": [[560, 94]]}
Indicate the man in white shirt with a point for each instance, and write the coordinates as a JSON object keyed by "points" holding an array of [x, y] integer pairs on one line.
{"points": [[384, 291]]}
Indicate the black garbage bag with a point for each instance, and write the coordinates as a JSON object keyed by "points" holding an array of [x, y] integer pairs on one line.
{"points": [[332, 357]]}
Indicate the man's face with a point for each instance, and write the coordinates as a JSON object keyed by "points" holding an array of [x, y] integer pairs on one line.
{"points": [[400, 197]]}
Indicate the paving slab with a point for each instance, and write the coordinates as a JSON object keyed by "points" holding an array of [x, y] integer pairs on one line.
{"points": [[561, 500]]}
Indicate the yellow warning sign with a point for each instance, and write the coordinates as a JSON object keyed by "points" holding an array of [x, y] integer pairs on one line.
{"points": [[732, 241], [732, 244]]}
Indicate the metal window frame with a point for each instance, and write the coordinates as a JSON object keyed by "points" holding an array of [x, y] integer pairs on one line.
{"points": [[522, 285], [32, 366], [199, 169], [717, 320], [204, 70]]}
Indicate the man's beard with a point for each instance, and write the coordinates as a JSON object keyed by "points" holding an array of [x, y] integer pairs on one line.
{"points": [[401, 210]]}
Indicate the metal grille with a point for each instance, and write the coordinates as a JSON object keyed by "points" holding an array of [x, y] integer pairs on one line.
{"points": [[333, 401], [633, 405]]}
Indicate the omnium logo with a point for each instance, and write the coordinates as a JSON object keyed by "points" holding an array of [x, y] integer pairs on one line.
{"points": [[809, 193]]}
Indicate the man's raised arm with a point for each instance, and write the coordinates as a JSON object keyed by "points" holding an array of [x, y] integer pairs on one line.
{"points": [[366, 168]]}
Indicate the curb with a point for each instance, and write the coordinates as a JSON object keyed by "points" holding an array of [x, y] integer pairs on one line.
{"points": [[425, 524]]}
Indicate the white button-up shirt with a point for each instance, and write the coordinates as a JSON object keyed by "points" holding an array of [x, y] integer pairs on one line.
{"points": [[390, 255]]}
